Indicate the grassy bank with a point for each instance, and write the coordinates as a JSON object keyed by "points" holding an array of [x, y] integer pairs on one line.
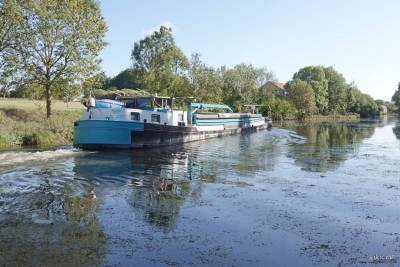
{"points": [[23, 122]]}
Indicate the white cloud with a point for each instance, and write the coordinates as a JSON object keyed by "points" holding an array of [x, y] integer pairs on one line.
{"points": [[166, 23]]}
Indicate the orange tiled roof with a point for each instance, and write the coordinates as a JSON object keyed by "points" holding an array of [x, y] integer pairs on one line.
{"points": [[280, 85]]}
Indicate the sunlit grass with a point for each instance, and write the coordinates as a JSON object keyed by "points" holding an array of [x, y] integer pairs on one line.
{"points": [[24, 122], [39, 105]]}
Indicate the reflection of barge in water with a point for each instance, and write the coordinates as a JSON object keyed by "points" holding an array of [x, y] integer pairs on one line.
{"points": [[152, 121]]}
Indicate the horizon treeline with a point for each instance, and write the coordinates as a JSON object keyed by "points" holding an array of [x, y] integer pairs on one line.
{"points": [[160, 66], [48, 51]]}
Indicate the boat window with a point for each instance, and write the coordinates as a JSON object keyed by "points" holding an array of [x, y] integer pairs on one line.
{"points": [[164, 103], [155, 118], [135, 116], [144, 103], [131, 104], [158, 103]]}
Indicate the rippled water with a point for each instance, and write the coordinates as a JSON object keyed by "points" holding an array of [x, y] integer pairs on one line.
{"points": [[322, 194]]}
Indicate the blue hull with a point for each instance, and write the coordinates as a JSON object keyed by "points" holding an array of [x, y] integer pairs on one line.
{"points": [[98, 135], [99, 132]]}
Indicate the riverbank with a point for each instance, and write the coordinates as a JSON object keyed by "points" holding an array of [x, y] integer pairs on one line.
{"points": [[23, 122]]}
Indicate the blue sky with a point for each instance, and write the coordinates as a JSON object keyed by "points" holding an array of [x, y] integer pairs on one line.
{"points": [[358, 38]]}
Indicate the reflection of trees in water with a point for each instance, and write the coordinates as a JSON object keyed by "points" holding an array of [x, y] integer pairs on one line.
{"points": [[73, 236], [396, 131], [234, 156], [188, 167], [46, 219], [159, 178], [163, 179], [160, 194], [328, 145], [159, 208], [256, 153]]}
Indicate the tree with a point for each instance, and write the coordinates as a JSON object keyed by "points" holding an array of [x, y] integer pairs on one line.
{"points": [[336, 91], [301, 95], [368, 106], [263, 75], [315, 76], [276, 108], [232, 91], [362, 104], [396, 98], [352, 90], [9, 18], [207, 84], [59, 43], [159, 60], [242, 85], [100, 80], [126, 79], [247, 83]]}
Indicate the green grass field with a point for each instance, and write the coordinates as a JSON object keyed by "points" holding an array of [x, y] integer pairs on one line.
{"points": [[39, 104], [23, 122]]}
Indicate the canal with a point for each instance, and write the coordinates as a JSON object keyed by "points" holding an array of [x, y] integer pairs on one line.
{"points": [[311, 194]]}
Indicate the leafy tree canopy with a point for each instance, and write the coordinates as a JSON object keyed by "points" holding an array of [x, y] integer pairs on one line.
{"points": [[396, 98], [301, 95], [362, 104], [206, 82], [337, 93], [9, 18], [127, 78], [242, 85], [159, 60], [58, 43], [315, 76], [368, 106], [158, 52]]}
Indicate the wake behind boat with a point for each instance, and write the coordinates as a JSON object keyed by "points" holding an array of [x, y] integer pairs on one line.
{"points": [[153, 121]]}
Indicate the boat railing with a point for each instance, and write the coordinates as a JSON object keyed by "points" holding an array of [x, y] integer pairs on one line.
{"points": [[254, 107], [194, 107]]}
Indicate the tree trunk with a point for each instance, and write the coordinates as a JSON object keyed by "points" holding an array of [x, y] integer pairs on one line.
{"points": [[48, 101]]}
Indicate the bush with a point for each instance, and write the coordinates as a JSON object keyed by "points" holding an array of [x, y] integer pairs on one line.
{"points": [[29, 139], [278, 109]]}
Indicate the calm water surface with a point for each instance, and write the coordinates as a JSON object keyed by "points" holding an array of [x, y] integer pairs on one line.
{"points": [[324, 194]]}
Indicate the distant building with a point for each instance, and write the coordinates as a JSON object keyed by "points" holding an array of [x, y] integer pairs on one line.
{"points": [[382, 110], [277, 88]]}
